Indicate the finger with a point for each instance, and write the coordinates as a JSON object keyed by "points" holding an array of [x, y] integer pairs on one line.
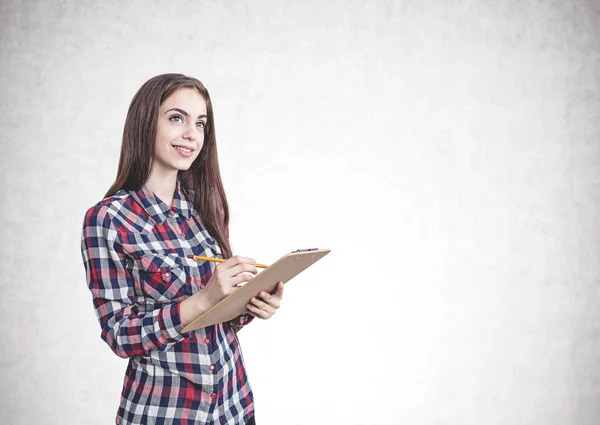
{"points": [[278, 289], [258, 312], [263, 306], [240, 268], [225, 280], [235, 260], [272, 300], [241, 278]]}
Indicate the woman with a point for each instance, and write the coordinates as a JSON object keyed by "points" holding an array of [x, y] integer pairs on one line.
{"points": [[168, 202]]}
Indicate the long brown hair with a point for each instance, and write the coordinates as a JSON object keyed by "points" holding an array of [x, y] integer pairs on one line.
{"points": [[202, 181]]}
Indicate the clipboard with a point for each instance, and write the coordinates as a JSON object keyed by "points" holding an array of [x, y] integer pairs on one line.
{"points": [[284, 269]]}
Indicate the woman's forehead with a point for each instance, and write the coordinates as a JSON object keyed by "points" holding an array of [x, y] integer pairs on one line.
{"points": [[187, 99]]}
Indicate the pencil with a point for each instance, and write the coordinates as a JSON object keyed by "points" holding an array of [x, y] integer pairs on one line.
{"points": [[219, 260]]}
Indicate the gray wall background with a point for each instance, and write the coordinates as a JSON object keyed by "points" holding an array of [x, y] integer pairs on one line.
{"points": [[448, 152]]}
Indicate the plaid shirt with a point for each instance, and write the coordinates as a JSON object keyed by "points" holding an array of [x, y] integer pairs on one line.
{"points": [[135, 249]]}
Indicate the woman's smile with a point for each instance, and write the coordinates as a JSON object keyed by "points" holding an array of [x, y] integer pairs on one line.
{"points": [[184, 150]]}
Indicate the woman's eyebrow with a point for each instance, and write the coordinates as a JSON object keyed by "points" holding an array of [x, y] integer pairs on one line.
{"points": [[181, 111]]}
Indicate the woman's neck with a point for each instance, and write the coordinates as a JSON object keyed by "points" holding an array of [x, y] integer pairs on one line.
{"points": [[162, 183]]}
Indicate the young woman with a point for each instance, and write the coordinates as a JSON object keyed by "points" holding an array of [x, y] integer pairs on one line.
{"points": [[166, 203]]}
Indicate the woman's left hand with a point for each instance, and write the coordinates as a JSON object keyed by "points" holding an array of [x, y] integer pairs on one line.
{"points": [[266, 309]]}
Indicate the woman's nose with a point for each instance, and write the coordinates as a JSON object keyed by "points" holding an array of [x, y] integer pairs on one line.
{"points": [[190, 133]]}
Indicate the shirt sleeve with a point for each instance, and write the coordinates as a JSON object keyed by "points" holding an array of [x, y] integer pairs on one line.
{"points": [[239, 322], [127, 332]]}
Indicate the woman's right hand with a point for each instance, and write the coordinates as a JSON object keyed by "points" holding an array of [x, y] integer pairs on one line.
{"points": [[227, 276], [224, 280]]}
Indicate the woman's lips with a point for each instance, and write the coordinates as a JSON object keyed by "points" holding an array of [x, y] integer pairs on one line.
{"points": [[184, 151]]}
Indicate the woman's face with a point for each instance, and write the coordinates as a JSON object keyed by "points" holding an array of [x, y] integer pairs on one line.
{"points": [[179, 130]]}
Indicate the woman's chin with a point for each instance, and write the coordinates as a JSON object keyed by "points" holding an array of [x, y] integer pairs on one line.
{"points": [[182, 165]]}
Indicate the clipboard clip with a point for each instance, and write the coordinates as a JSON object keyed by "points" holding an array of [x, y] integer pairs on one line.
{"points": [[305, 250]]}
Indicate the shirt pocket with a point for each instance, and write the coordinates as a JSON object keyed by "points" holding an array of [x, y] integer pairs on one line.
{"points": [[163, 278]]}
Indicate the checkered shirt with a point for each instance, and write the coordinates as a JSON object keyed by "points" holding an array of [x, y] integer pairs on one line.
{"points": [[134, 250]]}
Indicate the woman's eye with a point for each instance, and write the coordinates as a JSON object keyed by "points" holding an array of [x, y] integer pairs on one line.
{"points": [[201, 124], [174, 118]]}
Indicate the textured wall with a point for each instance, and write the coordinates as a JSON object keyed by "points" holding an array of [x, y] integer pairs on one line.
{"points": [[448, 152]]}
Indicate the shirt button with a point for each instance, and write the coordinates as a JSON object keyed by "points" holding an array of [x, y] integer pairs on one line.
{"points": [[206, 340], [166, 276], [172, 212], [202, 286], [212, 367], [213, 396], [182, 235]]}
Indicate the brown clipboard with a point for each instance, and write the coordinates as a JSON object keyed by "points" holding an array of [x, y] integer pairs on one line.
{"points": [[284, 269]]}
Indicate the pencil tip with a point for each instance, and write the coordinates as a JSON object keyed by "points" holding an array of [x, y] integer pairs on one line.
{"points": [[190, 256]]}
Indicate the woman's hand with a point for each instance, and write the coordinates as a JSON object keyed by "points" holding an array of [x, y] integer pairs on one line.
{"points": [[227, 276], [266, 309], [224, 280]]}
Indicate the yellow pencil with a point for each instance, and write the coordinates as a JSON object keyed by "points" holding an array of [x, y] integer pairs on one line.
{"points": [[219, 260]]}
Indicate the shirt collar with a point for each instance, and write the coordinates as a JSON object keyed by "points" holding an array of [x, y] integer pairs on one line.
{"points": [[159, 210]]}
